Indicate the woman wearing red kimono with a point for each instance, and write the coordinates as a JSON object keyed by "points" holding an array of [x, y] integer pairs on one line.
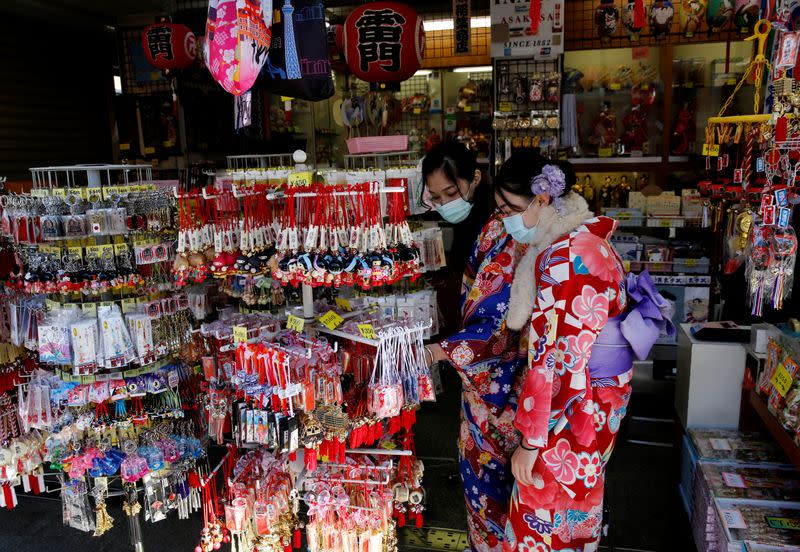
{"points": [[567, 288]]}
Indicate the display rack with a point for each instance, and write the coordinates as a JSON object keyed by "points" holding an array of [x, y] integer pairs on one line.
{"points": [[781, 436], [91, 175], [381, 160], [245, 162]]}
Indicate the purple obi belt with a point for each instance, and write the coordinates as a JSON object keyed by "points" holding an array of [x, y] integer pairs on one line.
{"points": [[633, 333]]}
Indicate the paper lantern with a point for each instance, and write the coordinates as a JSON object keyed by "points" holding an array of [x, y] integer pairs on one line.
{"points": [[384, 41], [238, 35], [169, 45], [718, 13]]}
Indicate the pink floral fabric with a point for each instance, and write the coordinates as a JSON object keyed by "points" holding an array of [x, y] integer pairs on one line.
{"points": [[238, 36], [572, 420]]}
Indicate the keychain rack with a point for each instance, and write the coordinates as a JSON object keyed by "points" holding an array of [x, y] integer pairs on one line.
{"points": [[91, 175], [381, 334], [270, 161], [380, 161]]}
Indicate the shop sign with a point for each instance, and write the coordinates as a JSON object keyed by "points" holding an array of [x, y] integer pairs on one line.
{"points": [[514, 36], [461, 29]]}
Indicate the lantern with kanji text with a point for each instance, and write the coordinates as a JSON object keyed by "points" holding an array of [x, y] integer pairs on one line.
{"points": [[169, 45], [384, 42]]}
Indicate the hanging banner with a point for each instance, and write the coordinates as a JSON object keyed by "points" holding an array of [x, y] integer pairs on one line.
{"points": [[461, 29], [514, 36]]}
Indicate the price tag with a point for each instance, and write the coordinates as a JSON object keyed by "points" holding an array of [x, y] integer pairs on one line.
{"points": [[467, 108], [615, 86], [711, 150], [86, 380], [734, 480], [691, 262], [645, 87], [124, 147], [792, 524], [128, 305], [367, 331], [665, 223], [604, 152], [295, 323], [733, 519], [89, 309], [344, 304], [506, 107], [302, 178], [623, 215], [417, 111], [149, 150], [331, 320], [782, 380], [239, 334], [59, 192]]}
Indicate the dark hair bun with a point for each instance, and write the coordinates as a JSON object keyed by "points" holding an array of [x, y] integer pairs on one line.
{"points": [[517, 172]]}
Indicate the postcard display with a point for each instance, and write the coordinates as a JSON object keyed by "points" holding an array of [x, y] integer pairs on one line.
{"points": [[124, 376]]}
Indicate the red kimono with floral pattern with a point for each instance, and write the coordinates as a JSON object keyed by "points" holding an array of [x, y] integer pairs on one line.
{"points": [[571, 419]]}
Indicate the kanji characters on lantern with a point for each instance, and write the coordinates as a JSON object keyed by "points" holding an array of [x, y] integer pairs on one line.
{"points": [[383, 42], [169, 45]]}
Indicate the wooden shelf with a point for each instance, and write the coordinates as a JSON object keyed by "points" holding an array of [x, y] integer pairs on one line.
{"points": [[783, 438]]}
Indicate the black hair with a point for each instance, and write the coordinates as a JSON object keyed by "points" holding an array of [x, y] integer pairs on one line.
{"points": [[517, 172], [453, 159]]}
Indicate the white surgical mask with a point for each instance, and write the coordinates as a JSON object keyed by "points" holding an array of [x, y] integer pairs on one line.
{"points": [[515, 226], [455, 211]]}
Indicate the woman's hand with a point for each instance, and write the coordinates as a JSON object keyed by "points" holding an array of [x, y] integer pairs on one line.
{"points": [[522, 465], [437, 354]]}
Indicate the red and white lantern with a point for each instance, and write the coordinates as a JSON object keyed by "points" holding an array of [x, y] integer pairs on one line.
{"points": [[169, 45], [384, 41]]}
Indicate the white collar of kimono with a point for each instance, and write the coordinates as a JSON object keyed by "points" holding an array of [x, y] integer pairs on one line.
{"points": [[552, 226]]}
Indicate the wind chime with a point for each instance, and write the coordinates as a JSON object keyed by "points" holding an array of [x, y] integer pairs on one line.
{"points": [[761, 153]]}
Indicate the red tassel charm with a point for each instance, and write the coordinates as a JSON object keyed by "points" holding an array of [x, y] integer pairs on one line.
{"points": [[310, 458], [638, 14], [287, 548], [342, 452], [323, 450], [535, 14], [296, 541], [418, 521], [293, 456], [401, 520]]}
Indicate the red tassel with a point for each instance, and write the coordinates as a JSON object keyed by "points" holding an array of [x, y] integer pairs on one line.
{"points": [[418, 521], [535, 13], [297, 542], [638, 14], [293, 456], [288, 548], [323, 450], [311, 459], [401, 520], [342, 452]]}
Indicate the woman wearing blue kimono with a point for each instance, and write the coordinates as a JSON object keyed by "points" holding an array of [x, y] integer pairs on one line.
{"points": [[487, 356]]}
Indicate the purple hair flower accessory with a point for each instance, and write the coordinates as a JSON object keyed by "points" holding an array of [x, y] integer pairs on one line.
{"points": [[552, 182]]}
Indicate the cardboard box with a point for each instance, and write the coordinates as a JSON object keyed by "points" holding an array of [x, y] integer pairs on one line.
{"points": [[637, 200], [664, 204]]}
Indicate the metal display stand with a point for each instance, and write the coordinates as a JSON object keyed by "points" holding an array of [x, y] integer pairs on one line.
{"points": [[90, 175]]}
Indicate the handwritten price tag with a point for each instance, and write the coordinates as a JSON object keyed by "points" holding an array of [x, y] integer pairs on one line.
{"points": [[506, 107], [604, 152], [782, 380], [733, 519], [331, 320], [367, 331], [344, 304], [711, 150], [239, 334], [665, 223], [295, 323]]}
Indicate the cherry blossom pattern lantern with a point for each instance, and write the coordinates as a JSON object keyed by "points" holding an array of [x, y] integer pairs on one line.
{"points": [[384, 41], [238, 36], [169, 45]]}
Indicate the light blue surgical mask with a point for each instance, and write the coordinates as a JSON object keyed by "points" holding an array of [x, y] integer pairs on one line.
{"points": [[455, 211], [515, 226]]}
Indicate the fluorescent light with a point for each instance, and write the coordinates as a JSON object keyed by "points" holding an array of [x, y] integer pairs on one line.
{"points": [[433, 25], [476, 69], [423, 73], [117, 85]]}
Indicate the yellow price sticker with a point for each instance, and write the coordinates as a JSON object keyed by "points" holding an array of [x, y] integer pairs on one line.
{"points": [[615, 86], [711, 150], [295, 323], [691, 262], [149, 150], [467, 108], [89, 309], [417, 111], [239, 334], [59, 192], [302, 178], [331, 320], [624, 215], [367, 331], [627, 265], [506, 107], [665, 223], [124, 147], [344, 304], [782, 380], [604, 152]]}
